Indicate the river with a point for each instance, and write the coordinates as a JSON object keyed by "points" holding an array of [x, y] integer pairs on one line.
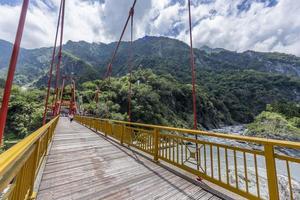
{"points": [[280, 165]]}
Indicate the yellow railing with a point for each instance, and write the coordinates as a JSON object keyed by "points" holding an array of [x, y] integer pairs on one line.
{"points": [[251, 167], [20, 164]]}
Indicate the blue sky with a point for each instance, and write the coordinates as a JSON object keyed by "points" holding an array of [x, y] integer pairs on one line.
{"points": [[238, 25], [10, 2]]}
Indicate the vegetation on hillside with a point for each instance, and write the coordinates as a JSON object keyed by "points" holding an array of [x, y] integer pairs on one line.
{"points": [[156, 99], [246, 93], [161, 54], [71, 66], [281, 120], [223, 99], [24, 114], [232, 87]]}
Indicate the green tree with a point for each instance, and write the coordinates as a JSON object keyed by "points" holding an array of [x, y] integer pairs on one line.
{"points": [[24, 113]]}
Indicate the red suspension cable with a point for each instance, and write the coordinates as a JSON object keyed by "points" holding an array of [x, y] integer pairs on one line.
{"points": [[61, 96], [12, 69], [59, 53], [52, 63], [192, 67], [73, 107], [109, 67], [130, 65]]}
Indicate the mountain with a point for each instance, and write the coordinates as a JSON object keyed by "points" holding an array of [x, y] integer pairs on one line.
{"points": [[5, 49], [238, 85], [161, 54], [2, 83], [32, 63], [156, 99], [82, 70], [265, 62], [161, 99], [165, 55]]}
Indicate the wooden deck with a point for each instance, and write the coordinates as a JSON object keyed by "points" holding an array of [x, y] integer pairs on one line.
{"points": [[84, 165]]}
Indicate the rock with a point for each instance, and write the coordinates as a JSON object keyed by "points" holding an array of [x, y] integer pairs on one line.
{"points": [[283, 183]]}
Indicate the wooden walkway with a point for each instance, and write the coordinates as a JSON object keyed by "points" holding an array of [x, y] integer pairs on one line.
{"points": [[84, 165]]}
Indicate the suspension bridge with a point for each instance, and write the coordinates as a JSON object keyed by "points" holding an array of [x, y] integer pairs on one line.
{"points": [[93, 158]]}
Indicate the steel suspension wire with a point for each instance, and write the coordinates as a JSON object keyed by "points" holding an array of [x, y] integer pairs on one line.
{"points": [[12, 68], [59, 56], [52, 63], [130, 64]]}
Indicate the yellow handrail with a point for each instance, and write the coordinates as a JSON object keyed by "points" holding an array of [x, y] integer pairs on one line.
{"points": [[257, 140], [232, 167], [20, 164]]}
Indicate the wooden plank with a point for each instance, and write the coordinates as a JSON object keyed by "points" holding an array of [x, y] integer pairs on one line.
{"points": [[84, 165]]}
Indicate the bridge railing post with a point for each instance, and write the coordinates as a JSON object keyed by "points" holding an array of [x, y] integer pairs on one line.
{"points": [[35, 165], [122, 134], [47, 138], [156, 144], [93, 123], [106, 128], [271, 172]]}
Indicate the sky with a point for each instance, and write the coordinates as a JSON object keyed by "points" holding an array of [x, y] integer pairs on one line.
{"points": [[237, 25]]}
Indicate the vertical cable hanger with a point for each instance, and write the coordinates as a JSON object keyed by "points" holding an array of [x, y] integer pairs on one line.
{"points": [[51, 65], [193, 69], [12, 69], [109, 67], [59, 58], [130, 65]]}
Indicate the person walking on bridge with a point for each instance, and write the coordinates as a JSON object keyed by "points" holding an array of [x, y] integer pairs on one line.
{"points": [[71, 117]]}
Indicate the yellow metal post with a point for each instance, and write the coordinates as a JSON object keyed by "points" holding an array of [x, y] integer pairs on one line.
{"points": [[271, 172], [106, 128], [122, 134], [48, 137], [35, 164], [156, 144]]}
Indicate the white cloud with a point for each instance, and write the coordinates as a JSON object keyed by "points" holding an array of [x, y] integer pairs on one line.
{"points": [[218, 23], [260, 28], [8, 23]]}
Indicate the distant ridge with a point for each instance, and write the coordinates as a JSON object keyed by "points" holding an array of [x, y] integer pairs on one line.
{"points": [[161, 54]]}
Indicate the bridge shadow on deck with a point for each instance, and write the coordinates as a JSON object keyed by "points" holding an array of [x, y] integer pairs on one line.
{"points": [[85, 165], [136, 156]]}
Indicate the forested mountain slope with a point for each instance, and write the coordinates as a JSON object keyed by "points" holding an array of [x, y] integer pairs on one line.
{"points": [[235, 87], [161, 54], [161, 99]]}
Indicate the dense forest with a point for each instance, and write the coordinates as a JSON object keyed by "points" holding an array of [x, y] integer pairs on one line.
{"points": [[24, 113], [223, 99], [281, 120]]}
